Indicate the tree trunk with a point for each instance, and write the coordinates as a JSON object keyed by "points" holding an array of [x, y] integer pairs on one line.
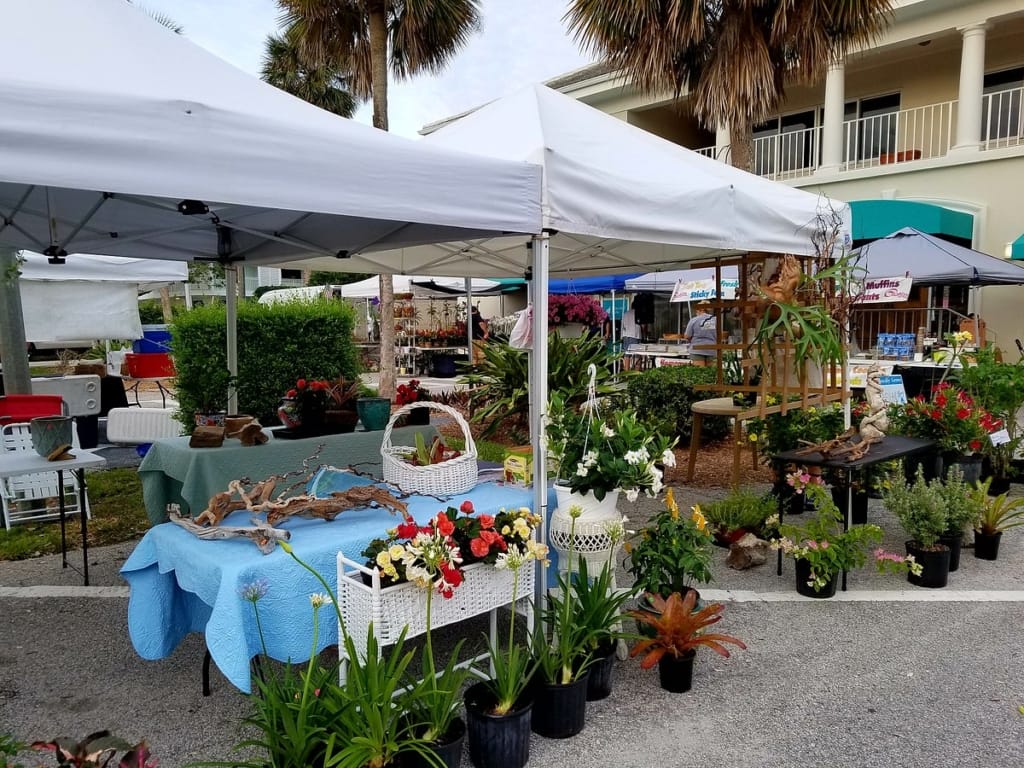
{"points": [[378, 23], [378, 13], [741, 139], [13, 350], [165, 304]]}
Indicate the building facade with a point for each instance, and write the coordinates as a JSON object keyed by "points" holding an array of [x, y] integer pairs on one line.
{"points": [[924, 129]]}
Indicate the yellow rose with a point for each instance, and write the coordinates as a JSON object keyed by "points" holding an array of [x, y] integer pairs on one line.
{"points": [[396, 551]]}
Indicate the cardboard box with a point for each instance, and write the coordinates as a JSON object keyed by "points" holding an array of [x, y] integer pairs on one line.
{"points": [[518, 465]]}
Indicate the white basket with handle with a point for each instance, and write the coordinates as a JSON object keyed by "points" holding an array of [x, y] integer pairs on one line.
{"points": [[446, 478]]}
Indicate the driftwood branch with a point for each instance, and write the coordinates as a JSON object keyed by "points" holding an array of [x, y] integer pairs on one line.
{"points": [[263, 535]]}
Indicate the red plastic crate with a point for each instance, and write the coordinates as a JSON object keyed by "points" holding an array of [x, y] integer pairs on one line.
{"points": [[16, 408], [154, 365]]}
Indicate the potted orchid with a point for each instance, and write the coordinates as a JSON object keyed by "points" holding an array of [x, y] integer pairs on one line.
{"points": [[598, 457]]}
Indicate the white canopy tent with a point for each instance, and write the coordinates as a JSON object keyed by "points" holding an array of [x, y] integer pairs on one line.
{"points": [[89, 297], [127, 139], [615, 199]]}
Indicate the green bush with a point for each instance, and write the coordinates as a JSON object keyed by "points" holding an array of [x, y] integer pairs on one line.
{"points": [[277, 344], [664, 396]]}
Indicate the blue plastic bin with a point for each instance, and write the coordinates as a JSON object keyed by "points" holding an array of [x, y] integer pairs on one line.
{"points": [[155, 338]]}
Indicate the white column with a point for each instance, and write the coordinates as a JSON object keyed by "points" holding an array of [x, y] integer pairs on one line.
{"points": [[972, 85], [832, 122], [722, 141]]}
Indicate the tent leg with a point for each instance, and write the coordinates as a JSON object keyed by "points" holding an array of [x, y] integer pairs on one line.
{"points": [[231, 299], [17, 380], [538, 403]]}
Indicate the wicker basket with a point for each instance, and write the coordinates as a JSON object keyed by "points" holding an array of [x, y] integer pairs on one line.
{"points": [[448, 478]]}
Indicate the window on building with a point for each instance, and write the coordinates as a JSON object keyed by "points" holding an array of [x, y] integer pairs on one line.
{"points": [[787, 143], [1001, 112], [291, 274], [870, 127]]}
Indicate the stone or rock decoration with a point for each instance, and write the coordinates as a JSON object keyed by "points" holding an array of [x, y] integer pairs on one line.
{"points": [[748, 552]]}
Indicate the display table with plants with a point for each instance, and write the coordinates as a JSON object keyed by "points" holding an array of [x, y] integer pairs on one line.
{"points": [[174, 473], [181, 585], [889, 448]]}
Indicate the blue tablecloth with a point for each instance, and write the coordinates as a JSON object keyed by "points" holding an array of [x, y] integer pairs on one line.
{"points": [[182, 584]]}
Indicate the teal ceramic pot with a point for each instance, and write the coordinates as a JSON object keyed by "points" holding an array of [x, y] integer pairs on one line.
{"points": [[374, 412], [50, 432]]}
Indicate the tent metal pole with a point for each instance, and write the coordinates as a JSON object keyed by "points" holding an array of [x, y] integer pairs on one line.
{"points": [[538, 402], [231, 301], [615, 364], [469, 319]]}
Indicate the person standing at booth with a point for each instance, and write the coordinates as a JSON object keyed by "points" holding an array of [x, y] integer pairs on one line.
{"points": [[702, 333], [481, 332]]}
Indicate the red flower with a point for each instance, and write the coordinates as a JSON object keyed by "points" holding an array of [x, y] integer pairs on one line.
{"points": [[300, 384], [486, 521], [467, 507], [445, 526], [291, 393], [407, 530], [941, 400], [975, 445], [963, 413], [937, 414], [479, 547]]}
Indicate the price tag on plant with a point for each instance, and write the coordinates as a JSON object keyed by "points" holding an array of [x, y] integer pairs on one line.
{"points": [[999, 437]]}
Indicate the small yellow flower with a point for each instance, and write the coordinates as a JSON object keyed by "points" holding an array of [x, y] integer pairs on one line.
{"points": [[628, 547], [752, 437], [670, 504], [698, 517]]}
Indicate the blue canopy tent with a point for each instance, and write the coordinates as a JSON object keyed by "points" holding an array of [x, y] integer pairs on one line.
{"points": [[597, 284]]}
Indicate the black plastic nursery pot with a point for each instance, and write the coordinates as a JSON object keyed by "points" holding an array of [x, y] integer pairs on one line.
{"points": [[929, 461], [955, 543], [676, 674], [601, 671], [448, 749], [803, 575], [934, 566], [986, 545], [859, 513], [560, 711], [497, 741]]}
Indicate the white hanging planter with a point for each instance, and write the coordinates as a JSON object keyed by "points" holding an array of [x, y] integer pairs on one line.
{"points": [[587, 536], [571, 330]]}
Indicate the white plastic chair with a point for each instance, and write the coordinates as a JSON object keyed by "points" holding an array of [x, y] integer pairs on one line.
{"points": [[34, 498]]}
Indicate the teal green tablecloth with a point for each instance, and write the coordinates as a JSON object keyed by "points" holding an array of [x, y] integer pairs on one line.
{"points": [[172, 472]]}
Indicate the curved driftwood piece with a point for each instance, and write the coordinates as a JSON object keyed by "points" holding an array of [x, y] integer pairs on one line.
{"points": [[261, 534]]}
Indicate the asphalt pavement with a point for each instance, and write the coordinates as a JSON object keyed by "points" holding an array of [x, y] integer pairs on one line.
{"points": [[884, 674]]}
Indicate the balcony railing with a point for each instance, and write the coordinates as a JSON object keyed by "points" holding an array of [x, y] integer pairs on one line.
{"points": [[895, 137], [899, 137], [1002, 122], [788, 155]]}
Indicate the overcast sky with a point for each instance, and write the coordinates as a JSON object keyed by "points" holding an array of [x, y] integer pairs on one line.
{"points": [[522, 42]]}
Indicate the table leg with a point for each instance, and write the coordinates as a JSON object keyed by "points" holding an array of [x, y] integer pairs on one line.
{"points": [[694, 446], [737, 448], [84, 518], [63, 520], [206, 671]]}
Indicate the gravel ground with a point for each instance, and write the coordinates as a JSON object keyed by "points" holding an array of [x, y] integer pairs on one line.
{"points": [[885, 674]]}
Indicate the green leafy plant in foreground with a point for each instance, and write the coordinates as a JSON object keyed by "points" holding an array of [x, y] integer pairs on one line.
{"points": [[998, 513]]}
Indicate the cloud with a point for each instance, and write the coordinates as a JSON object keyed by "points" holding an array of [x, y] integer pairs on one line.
{"points": [[521, 42]]}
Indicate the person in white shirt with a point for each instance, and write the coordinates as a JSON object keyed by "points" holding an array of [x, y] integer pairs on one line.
{"points": [[630, 335]]}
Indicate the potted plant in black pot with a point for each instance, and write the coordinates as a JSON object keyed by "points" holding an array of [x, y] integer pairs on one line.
{"points": [[921, 511], [997, 514], [671, 554], [742, 511], [679, 629], [963, 510]]}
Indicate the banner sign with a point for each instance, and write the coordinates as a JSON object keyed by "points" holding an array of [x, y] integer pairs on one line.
{"points": [[884, 289], [615, 310], [695, 290]]}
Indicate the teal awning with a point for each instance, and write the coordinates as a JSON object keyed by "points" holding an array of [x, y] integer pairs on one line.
{"points": [[1017, 248], [873, 219]]}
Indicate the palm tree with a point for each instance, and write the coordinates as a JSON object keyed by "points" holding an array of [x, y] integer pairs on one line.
{"points": [[368, 38], [735, 57], [324, 86]]}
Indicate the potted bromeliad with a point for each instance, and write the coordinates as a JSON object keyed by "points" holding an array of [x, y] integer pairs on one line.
{"points": [[997, 513], [677, 630], [821, 549]]}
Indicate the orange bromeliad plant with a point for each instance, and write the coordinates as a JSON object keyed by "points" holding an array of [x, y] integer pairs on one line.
{"points": [[679, 629]]}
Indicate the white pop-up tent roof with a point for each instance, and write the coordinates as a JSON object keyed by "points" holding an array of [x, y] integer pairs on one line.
{"points": [[664, 282], [370, 287], [618, 198], [121, 134], [89, 297]]}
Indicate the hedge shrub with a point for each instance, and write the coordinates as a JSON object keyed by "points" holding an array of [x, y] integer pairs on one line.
{"points": [[276, 345], [663, 396]]}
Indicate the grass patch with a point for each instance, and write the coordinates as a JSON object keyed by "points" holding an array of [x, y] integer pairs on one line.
{"points": [[485, 450], [118, 515]]}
